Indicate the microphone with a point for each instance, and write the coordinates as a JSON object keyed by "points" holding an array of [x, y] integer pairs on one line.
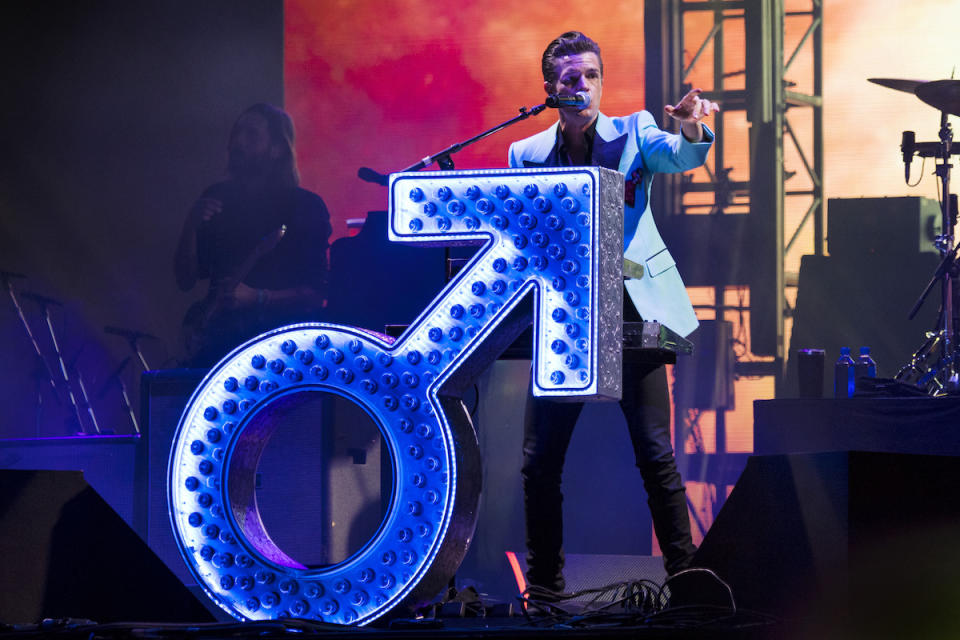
{"points": [[557, 101], [908, 142]]}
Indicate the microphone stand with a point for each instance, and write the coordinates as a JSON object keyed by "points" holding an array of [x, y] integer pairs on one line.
{"points": [[128, 407], [133, 339], [445, 162], [5, 278], [84, 398], [443, 159], [45, 304]]}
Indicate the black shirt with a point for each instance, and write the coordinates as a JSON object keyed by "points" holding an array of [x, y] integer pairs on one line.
{"points": [[563, 158]]}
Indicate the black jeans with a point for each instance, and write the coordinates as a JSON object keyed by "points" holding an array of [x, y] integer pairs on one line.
{"points": [[548, 427]]}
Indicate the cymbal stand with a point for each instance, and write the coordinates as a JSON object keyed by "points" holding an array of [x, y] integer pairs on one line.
{"points": [[940, 378]]}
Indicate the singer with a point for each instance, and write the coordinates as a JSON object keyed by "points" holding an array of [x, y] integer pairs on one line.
{"points": [[635, 146]]}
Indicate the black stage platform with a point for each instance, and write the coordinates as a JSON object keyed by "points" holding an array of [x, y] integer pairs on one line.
{"points": [[694, 623], [917, 425], [843, 527]]}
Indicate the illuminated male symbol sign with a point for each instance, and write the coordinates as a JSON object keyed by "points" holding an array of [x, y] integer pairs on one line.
{"points": [[553, 233]]}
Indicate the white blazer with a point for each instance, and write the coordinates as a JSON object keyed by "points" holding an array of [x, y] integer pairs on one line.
{"points": [[636, 147]]}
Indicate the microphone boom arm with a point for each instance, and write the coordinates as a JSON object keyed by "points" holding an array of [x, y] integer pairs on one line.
{"points": [[443, 159]]}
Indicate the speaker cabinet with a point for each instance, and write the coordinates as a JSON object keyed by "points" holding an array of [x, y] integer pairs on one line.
{"points": [[164, 395], [857, 301], [882, 226]]}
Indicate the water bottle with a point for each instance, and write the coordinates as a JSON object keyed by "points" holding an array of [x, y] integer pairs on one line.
{"points": [[844, 375], [865, 366]]}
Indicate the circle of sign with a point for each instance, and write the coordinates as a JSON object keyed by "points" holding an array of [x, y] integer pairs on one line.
{"points": [[210, 479]]}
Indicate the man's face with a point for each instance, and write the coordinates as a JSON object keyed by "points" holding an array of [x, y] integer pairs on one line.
{"points": [[250, 150], [576, 73]]}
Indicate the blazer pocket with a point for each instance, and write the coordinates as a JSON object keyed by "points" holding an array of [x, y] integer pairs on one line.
{"points": [[659, 262]]}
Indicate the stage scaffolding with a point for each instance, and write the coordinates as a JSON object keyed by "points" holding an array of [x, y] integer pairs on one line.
{"points": [[736, 224]]}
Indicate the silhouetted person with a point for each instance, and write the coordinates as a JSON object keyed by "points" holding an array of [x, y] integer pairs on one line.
{"points": [[259, 239]]}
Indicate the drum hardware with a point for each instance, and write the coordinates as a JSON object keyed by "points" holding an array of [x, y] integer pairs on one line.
{"points": [[934, 367]]}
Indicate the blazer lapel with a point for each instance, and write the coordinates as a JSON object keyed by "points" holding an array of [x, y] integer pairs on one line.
{"points": [[607, 154], [543, 149], [553, 160], [607, 147]]}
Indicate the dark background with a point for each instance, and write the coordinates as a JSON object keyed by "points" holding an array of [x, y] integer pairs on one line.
{"points": [[116, 116]]}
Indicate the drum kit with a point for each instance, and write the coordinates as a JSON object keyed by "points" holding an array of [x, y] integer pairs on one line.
{"points": [[935, 368]]}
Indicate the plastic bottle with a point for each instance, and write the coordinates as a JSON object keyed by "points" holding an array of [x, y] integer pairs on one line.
{"points": [[865, 366], [844, 375]]}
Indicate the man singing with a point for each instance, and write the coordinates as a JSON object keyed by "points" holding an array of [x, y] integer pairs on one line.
{"points": [[636, 147]]}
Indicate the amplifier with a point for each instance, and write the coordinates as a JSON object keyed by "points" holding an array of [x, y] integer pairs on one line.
{"points": [[881, 226]]}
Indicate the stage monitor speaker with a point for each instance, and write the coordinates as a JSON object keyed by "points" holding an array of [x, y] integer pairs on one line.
{"points": [[67, 554], [843, 531], [110, 464], [889, 227]]}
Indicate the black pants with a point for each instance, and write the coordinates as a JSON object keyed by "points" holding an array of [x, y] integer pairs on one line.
{"points": [[548, 427]]}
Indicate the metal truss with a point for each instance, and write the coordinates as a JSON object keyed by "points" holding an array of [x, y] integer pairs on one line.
{"points": [[737, 222]]}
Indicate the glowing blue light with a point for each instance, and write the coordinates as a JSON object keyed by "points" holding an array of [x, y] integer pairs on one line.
{"points": [[403, 386], [555, 208]]}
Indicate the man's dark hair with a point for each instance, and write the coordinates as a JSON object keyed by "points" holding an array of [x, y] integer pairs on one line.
{"points": [[569, 43], [284, 172]]}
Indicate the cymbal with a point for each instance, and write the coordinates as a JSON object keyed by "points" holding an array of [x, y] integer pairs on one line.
{"points": [[942, 94], [909, 86]]}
